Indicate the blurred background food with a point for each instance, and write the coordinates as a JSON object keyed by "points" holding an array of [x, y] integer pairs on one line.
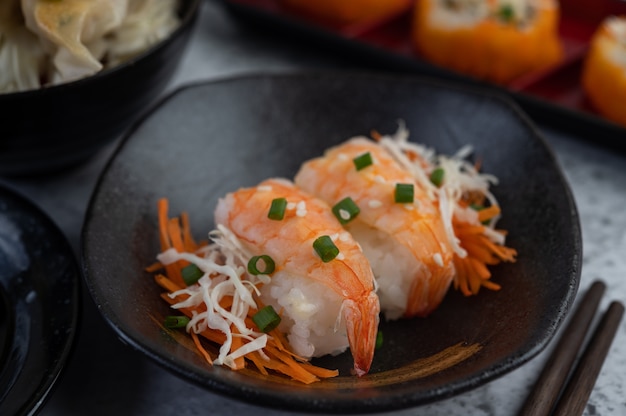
{"points": [[349, 11], [46, 42], [604, 72], [496, 40], [530, 50], [76, 73]]}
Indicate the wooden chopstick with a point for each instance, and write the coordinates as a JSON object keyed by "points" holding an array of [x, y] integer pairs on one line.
{"points": [[549, 385], [578, 389]]}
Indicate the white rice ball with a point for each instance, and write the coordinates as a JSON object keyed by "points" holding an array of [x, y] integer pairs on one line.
{"points": [[393, 265], [311, 314]]}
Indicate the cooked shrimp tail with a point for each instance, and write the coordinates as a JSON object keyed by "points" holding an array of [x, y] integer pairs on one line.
{"points": [[362, 327]]}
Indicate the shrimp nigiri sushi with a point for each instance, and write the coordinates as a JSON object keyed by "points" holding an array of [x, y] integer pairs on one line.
{"points": [[604, 71], [495, 40], [322, 283], [398, 225]]}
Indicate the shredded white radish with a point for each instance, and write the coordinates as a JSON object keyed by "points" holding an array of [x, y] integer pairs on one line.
{"points": [[254, 345], [222, 263], [399, 146], [460, 179], [446, 208]]}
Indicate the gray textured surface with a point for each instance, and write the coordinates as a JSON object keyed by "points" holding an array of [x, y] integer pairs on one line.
{"points": [[105, 377]]}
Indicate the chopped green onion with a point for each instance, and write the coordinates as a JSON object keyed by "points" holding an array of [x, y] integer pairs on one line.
{"points": [[404, 193], [436, 177], [191, 274], [172, 321], [379, 340], [363, 161], [346, 210], [325, 248], [277, 210], [266, 319], [269, 265]]}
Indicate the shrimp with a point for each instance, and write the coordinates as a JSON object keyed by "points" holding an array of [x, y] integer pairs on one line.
{"points": [[343, 301], [406, 243]]}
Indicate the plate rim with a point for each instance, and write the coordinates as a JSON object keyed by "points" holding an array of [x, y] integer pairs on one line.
{"points": [[51, 376]]}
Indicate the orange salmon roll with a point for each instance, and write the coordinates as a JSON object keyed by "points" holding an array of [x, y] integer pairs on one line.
{"points": [[493, 40], [604, 70], [349, 11]]}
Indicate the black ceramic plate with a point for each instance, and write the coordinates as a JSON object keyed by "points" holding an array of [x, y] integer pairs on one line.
{"points": [[211, 138], [39, 304]]}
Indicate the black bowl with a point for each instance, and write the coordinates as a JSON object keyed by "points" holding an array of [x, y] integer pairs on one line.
{"points": [[51, 128], [227, 137]]}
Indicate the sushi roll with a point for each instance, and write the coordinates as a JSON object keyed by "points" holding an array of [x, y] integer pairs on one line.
{"points": [[395, 220], [322, 283], [604, 69], [348, 11], [493, 40]]}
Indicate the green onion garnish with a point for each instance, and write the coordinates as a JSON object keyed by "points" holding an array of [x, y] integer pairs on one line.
{"points": [[404, 193], [346, 210], [277, 210], [436, 176], [363, 161], [325, 248], [191, 274], [266, 319], [172, 321], [269, 265], [379, 340]]}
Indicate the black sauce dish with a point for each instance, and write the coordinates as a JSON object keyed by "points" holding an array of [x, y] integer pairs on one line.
{"points": [[51, 128]]}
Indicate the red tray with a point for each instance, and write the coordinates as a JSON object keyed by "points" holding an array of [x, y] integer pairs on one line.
{"points": [[552, 97]]}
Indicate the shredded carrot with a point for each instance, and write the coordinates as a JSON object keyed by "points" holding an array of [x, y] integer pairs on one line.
{"points": [[214, 336], [280, 341], [200, 348], [319, 371], [166, 283], [172, 270], [258, 363], [176, 233], [163, 207], [226, 302], [376, 135], [235, 345], [284, 363], [472, 272], [154, 267], [188, 240], [488, 213]]}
